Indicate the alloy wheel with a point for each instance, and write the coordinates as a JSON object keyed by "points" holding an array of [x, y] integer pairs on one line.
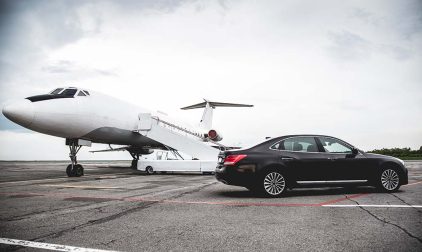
{"points": [[390, 179], [274, 183]]}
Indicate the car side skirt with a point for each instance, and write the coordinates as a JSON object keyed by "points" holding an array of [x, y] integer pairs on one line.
{"points": [[331, 182]]}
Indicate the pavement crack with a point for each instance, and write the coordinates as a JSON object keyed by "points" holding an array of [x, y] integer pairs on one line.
{"points": [[107, 244], [29, 215], [95, 222], [386, 221], [402, 200]]}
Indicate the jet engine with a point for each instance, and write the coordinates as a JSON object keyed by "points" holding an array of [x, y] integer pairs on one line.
{"points": [[214, 135]]}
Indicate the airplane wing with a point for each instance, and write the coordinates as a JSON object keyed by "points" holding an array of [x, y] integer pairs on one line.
{"points": [[215, 104]]}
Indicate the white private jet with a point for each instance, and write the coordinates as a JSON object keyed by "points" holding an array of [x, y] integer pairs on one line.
{"points": [[83, 117]]}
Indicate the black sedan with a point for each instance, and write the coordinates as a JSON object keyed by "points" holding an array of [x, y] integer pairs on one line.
{"points": [[308, 160]]}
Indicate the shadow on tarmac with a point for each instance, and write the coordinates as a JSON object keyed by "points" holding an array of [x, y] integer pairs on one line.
{"points": [[304, 192]]}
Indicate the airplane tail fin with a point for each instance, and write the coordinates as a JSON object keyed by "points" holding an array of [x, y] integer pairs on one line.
{"points": [[206, 120]]}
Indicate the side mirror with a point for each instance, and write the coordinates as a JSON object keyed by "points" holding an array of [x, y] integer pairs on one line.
{"points": [[355, 151]]}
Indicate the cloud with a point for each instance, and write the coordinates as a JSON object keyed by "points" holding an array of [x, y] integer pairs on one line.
{"points": [[343, 69], [71, 68], [349, 46], [403, 19]]}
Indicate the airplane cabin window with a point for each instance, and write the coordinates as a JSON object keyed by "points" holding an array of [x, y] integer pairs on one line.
{"points": [[56, 91], [81, 93], [70, 92]]}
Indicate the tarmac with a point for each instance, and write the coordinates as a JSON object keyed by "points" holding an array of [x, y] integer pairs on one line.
{"points": [[116, 208]]}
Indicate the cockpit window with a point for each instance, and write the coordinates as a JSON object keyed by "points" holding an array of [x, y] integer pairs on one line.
{"points": [[56, 91], [70, 92]]}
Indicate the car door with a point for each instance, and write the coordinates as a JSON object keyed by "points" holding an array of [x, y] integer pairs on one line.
{"points": [[345, 165], [304, 160]]}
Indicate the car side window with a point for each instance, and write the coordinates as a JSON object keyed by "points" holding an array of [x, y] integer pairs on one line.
{"points": [[300, 144], [332, 145]]}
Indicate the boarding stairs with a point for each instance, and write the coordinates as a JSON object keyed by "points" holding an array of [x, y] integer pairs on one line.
{"points": [[176, 137]]}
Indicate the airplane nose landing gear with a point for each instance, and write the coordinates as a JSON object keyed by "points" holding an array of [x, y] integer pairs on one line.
{"points": [[75, 169]]}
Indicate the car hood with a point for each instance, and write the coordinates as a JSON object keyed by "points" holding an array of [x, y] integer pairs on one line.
{"points": [[373, 155]]}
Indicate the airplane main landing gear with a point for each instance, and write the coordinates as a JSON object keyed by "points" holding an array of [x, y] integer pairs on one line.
{"points": [[75, 169]]}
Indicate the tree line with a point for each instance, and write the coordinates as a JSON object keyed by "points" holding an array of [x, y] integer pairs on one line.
{"points": [[404, 153]]}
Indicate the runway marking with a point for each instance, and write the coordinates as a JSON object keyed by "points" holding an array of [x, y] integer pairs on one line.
{"points": [[83, 186], [330, 202], [49, 246], [343, 199], [385, 206], [230, 203]]}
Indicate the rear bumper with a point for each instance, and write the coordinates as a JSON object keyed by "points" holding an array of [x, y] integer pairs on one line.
{"points": [[230, 176]]}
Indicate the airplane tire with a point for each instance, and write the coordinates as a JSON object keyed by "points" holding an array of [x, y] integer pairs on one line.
{"points": [[69, 171], [78, 170], [149, 170]]}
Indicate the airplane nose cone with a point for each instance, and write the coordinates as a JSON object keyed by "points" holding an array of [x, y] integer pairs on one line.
{"points": [[20, 112]]}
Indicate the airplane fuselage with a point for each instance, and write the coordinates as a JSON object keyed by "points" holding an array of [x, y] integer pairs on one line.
{"points": [[96, 117]]}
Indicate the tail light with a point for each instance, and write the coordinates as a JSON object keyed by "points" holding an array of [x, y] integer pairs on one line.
{"points": [[233, 159]]}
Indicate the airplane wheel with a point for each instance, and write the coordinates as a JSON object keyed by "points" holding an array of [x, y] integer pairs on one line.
{"points": [[78, 170], [149, 170], [69, 171]]}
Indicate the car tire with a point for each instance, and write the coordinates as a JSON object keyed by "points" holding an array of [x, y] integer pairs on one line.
{"points": [[273, 184], [149, 170], [389, 180]]}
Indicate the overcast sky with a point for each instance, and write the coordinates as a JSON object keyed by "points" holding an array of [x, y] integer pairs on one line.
{"points": [[351, 69]]}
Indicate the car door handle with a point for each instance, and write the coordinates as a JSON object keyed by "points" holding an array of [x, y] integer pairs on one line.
{"points": [[287, 158]]}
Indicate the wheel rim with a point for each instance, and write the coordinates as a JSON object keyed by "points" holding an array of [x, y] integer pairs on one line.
{"points": [[274, 183], [390, 179]]}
